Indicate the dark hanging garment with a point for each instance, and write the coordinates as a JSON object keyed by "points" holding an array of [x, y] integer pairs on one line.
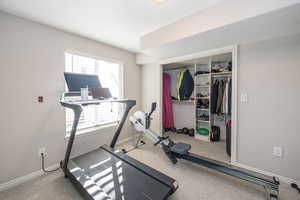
{"points": [[220, 96], [229, 96], [168, 120], [214, 96], [185, 85]]}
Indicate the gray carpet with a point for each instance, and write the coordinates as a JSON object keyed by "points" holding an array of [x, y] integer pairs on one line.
{"points": [[195, 183], [213, 150]]}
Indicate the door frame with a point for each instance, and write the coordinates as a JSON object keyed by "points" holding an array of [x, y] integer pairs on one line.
{"points": [[229, 49]]}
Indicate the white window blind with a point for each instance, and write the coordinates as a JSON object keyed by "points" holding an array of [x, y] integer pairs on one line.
{"points": [[109, 75]]}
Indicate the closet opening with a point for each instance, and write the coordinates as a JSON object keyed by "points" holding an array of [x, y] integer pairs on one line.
{"points": [[197, 104]]}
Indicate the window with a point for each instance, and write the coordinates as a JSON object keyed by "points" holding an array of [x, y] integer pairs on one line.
{"points": [[110, 77]]}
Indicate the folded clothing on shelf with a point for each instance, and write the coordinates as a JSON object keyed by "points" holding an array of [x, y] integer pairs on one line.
{"points": [[221, 67], [202, 103], [204, 117], [202, 95]]}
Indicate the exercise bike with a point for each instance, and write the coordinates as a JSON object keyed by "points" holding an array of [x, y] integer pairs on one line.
{"points": [[178, 150]]}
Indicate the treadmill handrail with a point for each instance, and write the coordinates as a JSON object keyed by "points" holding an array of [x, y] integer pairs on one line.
{"points": [[64, 101], [76, 106]]}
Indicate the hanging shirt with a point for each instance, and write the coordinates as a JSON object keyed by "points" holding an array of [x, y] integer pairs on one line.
{"points": [[225, 99], [220, 96], [185, 85]]}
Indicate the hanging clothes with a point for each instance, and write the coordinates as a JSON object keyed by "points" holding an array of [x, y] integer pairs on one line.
{"points": [[168, 120], [214, 96], [229, 96], [185, 85], [224, 109], [220, 96]]}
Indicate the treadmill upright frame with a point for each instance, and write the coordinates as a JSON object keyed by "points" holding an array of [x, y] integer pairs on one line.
{"points": [[76, 106]]}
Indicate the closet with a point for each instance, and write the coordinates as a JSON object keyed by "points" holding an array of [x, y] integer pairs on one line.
{"points": [[206, 112]]}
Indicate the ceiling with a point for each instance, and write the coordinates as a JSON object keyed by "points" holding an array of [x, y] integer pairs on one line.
{"points": [[279, 23], [117, 22], [222, 14]]}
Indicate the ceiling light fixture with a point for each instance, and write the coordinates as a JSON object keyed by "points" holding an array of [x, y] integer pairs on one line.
{"points": [[159, 1]]}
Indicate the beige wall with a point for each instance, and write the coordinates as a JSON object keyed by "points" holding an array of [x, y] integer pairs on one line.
{"points": [[151, 87], [32, 64], [269, 73]]}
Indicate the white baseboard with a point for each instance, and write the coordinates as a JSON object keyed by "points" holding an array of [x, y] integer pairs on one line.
{"points": [[23, 179], [28, 177], [281, 178], [125, 140]]}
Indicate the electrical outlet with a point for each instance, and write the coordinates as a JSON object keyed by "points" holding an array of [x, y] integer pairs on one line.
{"points": [[40, 99], [42, 150], [278, 152]]}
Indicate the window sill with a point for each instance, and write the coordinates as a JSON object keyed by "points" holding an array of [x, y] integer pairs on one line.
{"points": [[92, 130]]}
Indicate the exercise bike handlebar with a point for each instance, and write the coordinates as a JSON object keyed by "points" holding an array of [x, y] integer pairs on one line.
{"points": [[153, 108], [148, 116]]}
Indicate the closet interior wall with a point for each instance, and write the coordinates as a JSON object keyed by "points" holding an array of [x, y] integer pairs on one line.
{"points": [[180, 108]]}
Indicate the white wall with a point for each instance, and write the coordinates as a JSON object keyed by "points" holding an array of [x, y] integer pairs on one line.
{"points": [[268, 72], [151, 83], [32, 64]]}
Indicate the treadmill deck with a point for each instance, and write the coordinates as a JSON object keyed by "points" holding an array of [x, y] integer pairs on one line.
{"points": [[102, 175]]}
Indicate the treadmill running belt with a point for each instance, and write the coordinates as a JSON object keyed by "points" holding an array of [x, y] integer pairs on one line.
{"points": [[106, 177]]}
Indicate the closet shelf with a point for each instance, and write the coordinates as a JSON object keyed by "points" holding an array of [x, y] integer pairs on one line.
{"points": [[203, 109], [202, 86], [184, 101], [221, 74], [199, 120], [203, 74], [202, 97]]}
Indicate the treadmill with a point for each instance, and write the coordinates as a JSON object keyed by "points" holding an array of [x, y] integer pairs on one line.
{"points": [[104, 173]]}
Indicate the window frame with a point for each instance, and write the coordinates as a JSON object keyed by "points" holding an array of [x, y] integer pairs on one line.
{"points": [[93, 129]]}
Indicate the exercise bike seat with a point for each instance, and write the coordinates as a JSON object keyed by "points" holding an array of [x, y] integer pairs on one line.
{"points": [[180, 148]]}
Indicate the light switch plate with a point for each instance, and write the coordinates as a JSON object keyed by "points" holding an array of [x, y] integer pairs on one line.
{"points": [[244, 98], [278, 152]]}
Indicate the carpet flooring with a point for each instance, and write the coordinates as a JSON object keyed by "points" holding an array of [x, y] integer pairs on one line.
{"points": [[195, 183]]}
